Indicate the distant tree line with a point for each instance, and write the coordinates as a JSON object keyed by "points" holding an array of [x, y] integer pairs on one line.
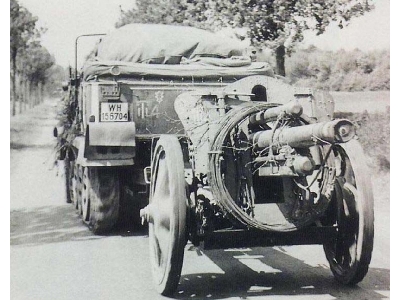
{"points": [[31, 65], [340, 70]]}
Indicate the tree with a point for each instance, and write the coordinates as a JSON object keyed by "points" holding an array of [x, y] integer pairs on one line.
{"points": [[159, 12], [277, 24], [55, 76], [38, 62], [30, 61], [22, 29], [340, 70]]}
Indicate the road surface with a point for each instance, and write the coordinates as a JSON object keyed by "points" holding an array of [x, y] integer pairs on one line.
{"points": [[55, 257]]}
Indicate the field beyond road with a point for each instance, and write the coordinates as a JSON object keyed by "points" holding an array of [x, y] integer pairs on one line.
{"points": [[55, 256], [358, 102]]}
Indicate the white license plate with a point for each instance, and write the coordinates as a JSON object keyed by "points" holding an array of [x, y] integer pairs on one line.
{"points": [[114, 112]]}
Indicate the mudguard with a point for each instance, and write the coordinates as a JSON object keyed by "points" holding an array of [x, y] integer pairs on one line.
{"points": [[112, 134]]}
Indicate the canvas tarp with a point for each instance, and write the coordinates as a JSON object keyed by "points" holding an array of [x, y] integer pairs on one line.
{"points": [[168, 51], [205, 71], [152, 42]]}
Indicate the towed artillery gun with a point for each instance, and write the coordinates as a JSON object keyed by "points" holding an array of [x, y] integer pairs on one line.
{"points": [[230, 155]]}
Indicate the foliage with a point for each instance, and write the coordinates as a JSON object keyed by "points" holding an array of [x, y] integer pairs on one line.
{"points": [[55, 75], [340, 71], [273, 23], [22, 27], [68, 130], [29, 60], [38, 60]]}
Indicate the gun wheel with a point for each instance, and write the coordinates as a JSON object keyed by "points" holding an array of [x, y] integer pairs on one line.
{"points": [[349, 254], [167, 214]]}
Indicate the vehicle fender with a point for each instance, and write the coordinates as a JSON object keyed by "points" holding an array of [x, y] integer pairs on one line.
{"points": [[80, 143]]}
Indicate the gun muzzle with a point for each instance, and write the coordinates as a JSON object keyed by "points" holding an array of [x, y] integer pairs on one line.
{"points": [[337, 131]]}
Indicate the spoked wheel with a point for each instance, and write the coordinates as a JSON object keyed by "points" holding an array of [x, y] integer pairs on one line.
{"points": [[350, 253], [104, 198], [166, 214]]}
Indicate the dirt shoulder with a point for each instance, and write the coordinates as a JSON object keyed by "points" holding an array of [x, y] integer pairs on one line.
{"points": [[33, 175]]}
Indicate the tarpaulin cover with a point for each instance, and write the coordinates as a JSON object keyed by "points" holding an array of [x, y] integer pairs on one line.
{"points": [[152, 50], [154, 43], [205, 71]]}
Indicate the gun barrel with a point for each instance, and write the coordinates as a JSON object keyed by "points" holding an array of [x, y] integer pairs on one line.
{"points": [[337, 131], [292, 108]]}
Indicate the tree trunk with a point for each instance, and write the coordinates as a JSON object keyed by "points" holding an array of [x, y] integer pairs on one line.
{"points": [[35, 95], [31, 95], [40, 100], [21, 93], [25, 94], [280, 60], [13, 74], [28, 94]]}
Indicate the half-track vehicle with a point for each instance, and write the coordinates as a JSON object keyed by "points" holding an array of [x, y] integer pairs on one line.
{"points": [[227, 154]]}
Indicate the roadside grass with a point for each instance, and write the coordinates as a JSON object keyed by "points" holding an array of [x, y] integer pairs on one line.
{"points": [[373, 131]]}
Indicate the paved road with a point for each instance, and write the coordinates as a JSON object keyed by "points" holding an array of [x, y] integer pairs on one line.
{"points": [[54, 256]]}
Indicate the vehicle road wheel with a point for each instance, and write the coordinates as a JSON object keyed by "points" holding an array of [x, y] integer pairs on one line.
{"points": [[85, 199], [79, 183], [104, 199], [350, 253], [74, 190], [68, 173], [166, 214]]}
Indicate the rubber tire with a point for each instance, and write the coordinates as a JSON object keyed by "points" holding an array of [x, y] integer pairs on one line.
{"points": [[104, 198], [167, 276], [360, 214]]}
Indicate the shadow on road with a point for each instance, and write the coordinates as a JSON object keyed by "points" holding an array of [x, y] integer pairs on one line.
{"points": [[289, 276], [286, 275], [22, 146], [47, 224]]}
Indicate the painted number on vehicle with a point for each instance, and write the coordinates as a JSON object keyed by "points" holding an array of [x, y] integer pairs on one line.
{"points": [[114, 112]]}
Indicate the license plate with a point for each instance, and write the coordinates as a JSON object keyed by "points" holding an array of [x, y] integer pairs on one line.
{"points": [[114, 112]]}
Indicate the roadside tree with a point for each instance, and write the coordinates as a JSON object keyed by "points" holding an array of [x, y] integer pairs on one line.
{"points": [[22, 30]]}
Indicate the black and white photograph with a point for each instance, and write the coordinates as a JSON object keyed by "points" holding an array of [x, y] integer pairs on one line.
{"points": [[185, 149]]}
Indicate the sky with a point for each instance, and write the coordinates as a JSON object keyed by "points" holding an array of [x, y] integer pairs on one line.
{"points": [[67, 19]]}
